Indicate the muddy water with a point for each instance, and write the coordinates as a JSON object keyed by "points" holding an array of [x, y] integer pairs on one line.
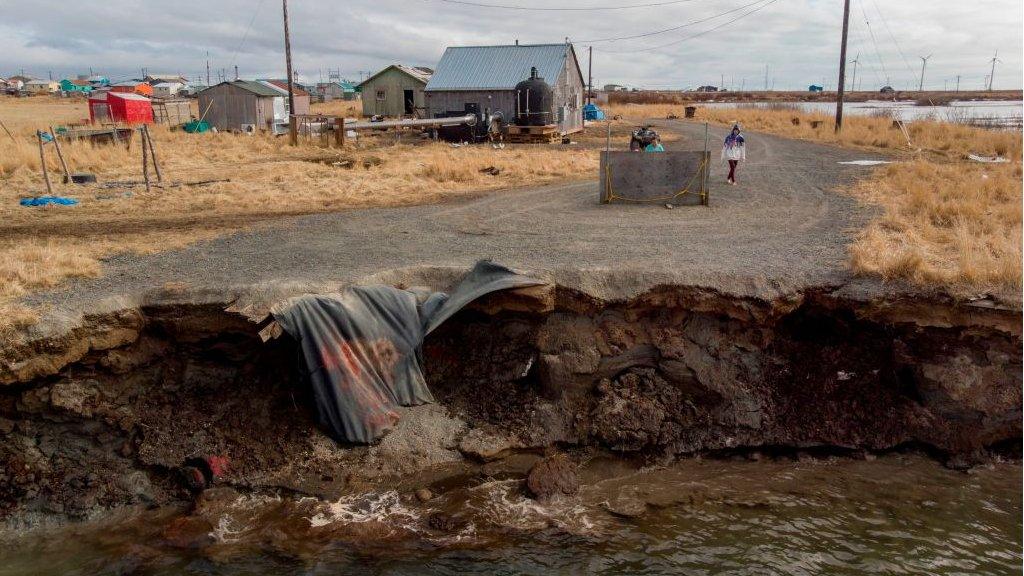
{"points": [[898, 514]]}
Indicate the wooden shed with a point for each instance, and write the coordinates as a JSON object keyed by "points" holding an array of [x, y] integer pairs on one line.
{"points": [[482, 78], [395, 91], [132, 86], [242, 105]]}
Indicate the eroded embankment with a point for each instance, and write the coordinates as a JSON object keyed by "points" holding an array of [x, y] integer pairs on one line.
{"points": [[145, 406]]}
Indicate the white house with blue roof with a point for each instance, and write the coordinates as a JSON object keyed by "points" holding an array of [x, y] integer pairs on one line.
{"points": [[483, 79]]}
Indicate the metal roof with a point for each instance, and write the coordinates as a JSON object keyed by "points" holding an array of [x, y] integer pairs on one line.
{"points": [[256, 88], [497, 67], [421, 73]]}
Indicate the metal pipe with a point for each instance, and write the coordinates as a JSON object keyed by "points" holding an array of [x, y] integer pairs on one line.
{"points": [[468, 119]]}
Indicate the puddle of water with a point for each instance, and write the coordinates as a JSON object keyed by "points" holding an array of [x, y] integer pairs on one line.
{"points": [[899, 514]]}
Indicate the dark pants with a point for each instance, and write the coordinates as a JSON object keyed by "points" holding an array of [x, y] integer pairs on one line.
{"points": [[732, 169]]}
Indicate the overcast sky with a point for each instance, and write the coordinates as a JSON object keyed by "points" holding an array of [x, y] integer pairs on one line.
{"points": [[797, 39]]}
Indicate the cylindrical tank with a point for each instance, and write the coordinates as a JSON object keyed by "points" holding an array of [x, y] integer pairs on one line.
{"points": [[534, 100]]}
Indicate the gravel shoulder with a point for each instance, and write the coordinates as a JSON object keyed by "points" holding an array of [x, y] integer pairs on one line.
{"points": [[782, 229]]}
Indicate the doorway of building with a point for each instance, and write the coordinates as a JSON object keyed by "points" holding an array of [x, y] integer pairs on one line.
{"points": [[410, 104]]}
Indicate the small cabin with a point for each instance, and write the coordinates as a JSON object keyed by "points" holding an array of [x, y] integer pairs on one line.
{"points": [[395, 91], [815, 88]]}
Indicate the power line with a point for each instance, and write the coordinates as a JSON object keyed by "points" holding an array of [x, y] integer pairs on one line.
{"points": [[562, 9], [245, 36], [892, 36], [672, 29], [698, 34], [874, 42]]}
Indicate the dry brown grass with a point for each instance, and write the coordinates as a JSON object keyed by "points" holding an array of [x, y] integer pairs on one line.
{"points": [[953, 225], [40, 247], [346, 108]]}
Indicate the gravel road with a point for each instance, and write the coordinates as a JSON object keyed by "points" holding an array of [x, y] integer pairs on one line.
{"points": [[782, 228]]}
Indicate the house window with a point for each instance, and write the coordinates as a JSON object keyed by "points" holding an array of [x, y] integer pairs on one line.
{"points": [[381, 95]]}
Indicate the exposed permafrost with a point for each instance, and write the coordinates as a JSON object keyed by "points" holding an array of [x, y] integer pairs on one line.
{"points": [[118, 410]]}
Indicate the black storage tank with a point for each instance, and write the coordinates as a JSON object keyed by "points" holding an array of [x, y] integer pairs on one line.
{"points": [[534, 100]]}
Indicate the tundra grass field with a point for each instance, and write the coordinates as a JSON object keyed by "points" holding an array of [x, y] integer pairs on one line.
{"points": [[946, 222]]}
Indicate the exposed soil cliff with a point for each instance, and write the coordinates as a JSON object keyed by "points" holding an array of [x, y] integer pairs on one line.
{"points": [[149, 405]]}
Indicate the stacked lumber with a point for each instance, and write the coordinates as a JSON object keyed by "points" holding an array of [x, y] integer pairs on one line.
{"points": [[534, 134]]}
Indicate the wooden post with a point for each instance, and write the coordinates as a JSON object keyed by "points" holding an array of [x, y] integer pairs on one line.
{"points": [[339, 131], [60, 154], [42, 160], [145, 164], [152, 153], [4, 126], [293, 130]]}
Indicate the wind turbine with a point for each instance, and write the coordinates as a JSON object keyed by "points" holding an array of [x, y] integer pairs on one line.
{"points": [[853, 87], [995, 58], [924, 62]]}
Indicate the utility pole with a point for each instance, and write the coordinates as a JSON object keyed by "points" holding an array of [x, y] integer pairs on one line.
{"points": [[236, 71], [924, 62], [292, 127], [590, 73], [207, 68], [992, 75], [766, 77], [842, 67], [958, 83]]}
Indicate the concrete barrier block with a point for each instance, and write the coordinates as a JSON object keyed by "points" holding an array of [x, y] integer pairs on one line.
{"points": [[676, 178]]}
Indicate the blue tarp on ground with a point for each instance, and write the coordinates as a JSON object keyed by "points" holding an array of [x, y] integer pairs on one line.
{"points": [[44, 200], [592, 112], [361, 347]]}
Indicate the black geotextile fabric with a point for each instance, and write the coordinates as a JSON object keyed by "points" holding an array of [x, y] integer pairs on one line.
{"points": [[361, 347]]}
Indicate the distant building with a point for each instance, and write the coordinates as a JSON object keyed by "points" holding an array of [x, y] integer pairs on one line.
{"points": [[17, 82], [120, 107], [395, 91], [42, 86], [707, 89], [76, 85], [158, 78], [887, 90], [484, 78], [614, 88], [301, 97], [815, 88], [341, 90], [97, 81], [132, 86], [167, 89], [245, 105]]}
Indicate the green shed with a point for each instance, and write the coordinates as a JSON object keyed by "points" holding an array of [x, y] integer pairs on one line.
{"points": [[395, 91]]}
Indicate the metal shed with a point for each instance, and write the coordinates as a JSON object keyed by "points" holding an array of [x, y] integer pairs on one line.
{"points": [[241, 105], [395, 91], [482, 78]]}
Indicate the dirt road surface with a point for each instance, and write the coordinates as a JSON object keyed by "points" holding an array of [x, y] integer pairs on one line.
{"points": [[783, 228]]}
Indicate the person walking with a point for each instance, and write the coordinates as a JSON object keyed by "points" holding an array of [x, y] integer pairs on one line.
{"points": [[734, 150]]}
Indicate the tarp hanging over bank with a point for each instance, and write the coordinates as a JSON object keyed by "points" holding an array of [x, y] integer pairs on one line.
{"points": [[361, 346]]}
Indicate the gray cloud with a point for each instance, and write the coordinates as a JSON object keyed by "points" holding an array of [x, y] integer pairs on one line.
{"points": [[797, 39]]}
